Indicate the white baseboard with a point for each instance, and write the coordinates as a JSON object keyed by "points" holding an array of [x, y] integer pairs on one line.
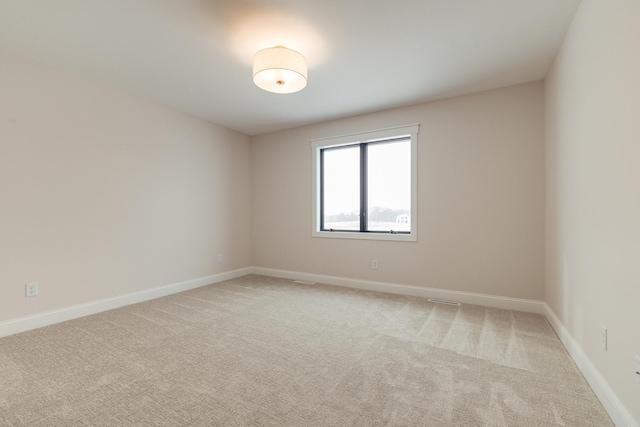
{"points": [[35, 321], [614, 407], [507, 303]]}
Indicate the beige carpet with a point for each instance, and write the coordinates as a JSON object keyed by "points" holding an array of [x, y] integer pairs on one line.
{"points": [[260, 351]]}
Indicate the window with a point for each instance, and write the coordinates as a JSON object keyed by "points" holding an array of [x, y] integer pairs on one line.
{"points": [[365, 185]]}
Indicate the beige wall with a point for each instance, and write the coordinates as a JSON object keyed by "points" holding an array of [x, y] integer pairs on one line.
{"points": [[103, 194], [593, 188], [480, 198]]}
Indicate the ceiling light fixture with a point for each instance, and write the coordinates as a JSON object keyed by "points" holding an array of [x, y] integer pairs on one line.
{"points": [[279, 70]]}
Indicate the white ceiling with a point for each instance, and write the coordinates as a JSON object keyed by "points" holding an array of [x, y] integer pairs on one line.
{"points": [[364, 55]]}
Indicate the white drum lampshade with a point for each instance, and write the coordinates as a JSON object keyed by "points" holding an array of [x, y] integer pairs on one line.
{"points": [[279, 70]]}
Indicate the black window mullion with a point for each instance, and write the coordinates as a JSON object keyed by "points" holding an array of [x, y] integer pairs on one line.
{"points": [[364, 209], [322, 189]]}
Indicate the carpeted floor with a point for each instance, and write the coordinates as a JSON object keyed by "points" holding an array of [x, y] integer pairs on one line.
{"points": [[259, 351]]}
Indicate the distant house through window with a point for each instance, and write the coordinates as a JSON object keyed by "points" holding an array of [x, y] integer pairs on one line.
{"points": [[365, 185]]}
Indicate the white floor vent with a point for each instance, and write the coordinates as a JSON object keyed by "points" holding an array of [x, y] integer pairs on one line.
{"points": [[304, 282], [444, 301]]}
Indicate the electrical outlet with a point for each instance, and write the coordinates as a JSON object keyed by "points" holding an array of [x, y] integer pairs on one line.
{"points": [[374, 264], [31, 289], [637, 370], [220, 258], [603, 337]]}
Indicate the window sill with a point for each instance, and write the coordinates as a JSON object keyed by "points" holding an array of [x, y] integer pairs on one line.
{"points": [[366, 236]]}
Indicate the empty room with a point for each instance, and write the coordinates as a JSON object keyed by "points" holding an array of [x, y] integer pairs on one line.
{"points": [[312, 213]]}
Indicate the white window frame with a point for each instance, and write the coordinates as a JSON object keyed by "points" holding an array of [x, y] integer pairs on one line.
{"points": [[355, 138]]}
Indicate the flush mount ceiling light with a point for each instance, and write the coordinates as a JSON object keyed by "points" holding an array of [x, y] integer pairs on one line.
{"points": [[279, 70]]}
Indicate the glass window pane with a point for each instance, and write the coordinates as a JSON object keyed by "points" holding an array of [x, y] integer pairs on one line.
{"points": [[389, 192], [342, 188]]}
